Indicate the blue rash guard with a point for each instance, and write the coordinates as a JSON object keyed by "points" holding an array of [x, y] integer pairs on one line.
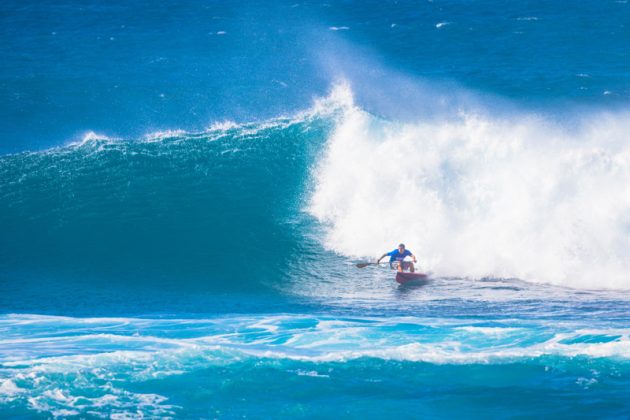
{"points": [[396, 255]]}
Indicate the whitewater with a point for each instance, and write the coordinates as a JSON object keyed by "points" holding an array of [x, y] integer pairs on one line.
{"points": [[517, 196], [186, 191]]}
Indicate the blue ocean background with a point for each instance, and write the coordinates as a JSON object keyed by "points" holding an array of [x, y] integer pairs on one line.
{"points": [[186, 187]]}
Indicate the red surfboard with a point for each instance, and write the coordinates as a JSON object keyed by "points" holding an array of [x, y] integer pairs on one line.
{"points": [[411, 278]]}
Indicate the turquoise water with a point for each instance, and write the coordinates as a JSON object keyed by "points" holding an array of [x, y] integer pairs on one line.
{"points": [[313, 365], [185, 190]]}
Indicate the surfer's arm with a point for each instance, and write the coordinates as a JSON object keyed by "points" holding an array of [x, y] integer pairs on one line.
{"points": [[382, 256], [413, 257]]}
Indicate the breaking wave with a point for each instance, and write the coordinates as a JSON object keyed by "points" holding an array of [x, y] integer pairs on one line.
{"points": [[512, 196], [473, 194]]}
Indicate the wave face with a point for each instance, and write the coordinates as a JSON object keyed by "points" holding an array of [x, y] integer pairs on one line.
{"points": [[211, 211]]}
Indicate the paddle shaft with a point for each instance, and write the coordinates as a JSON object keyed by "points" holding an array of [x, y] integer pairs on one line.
{"points": [[363, 265]]}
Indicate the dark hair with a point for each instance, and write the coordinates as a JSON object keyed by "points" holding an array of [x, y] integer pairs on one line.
{"points": [[401, 245]]}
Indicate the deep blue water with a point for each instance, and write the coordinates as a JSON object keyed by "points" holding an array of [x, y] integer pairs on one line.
{"points": [[127, 69], [185, 188]]}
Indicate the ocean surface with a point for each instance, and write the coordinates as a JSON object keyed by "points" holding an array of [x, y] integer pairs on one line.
{"points": [[186, 187]]}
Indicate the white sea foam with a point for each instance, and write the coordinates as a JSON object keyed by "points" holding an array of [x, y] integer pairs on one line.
{"points": [[223, 125], [491, 331], [483, 196], [311, 373], [161, 135], [340, 98], [90, 137], [9, 388], [93, 379]]}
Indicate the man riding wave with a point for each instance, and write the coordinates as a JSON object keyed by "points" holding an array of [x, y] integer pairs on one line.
{"points": [[397, 259]]}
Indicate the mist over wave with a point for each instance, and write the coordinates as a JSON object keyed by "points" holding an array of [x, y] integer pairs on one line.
{"points": [[478, 194]]}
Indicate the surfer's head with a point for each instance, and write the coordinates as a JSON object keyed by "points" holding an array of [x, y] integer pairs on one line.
{"points": [[401, 247]]}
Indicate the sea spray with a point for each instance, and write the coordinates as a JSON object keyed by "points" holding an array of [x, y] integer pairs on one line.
{"points": [[479, 195]]}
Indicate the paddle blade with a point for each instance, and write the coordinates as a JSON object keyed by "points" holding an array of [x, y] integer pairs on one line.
{"points": [[363, 265]]}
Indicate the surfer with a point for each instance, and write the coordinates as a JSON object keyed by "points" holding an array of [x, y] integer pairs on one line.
{"points": [[397, 259]]}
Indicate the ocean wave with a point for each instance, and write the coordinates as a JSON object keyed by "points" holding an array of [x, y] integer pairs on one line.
{"points": [[103, 209], [475, 194]]}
